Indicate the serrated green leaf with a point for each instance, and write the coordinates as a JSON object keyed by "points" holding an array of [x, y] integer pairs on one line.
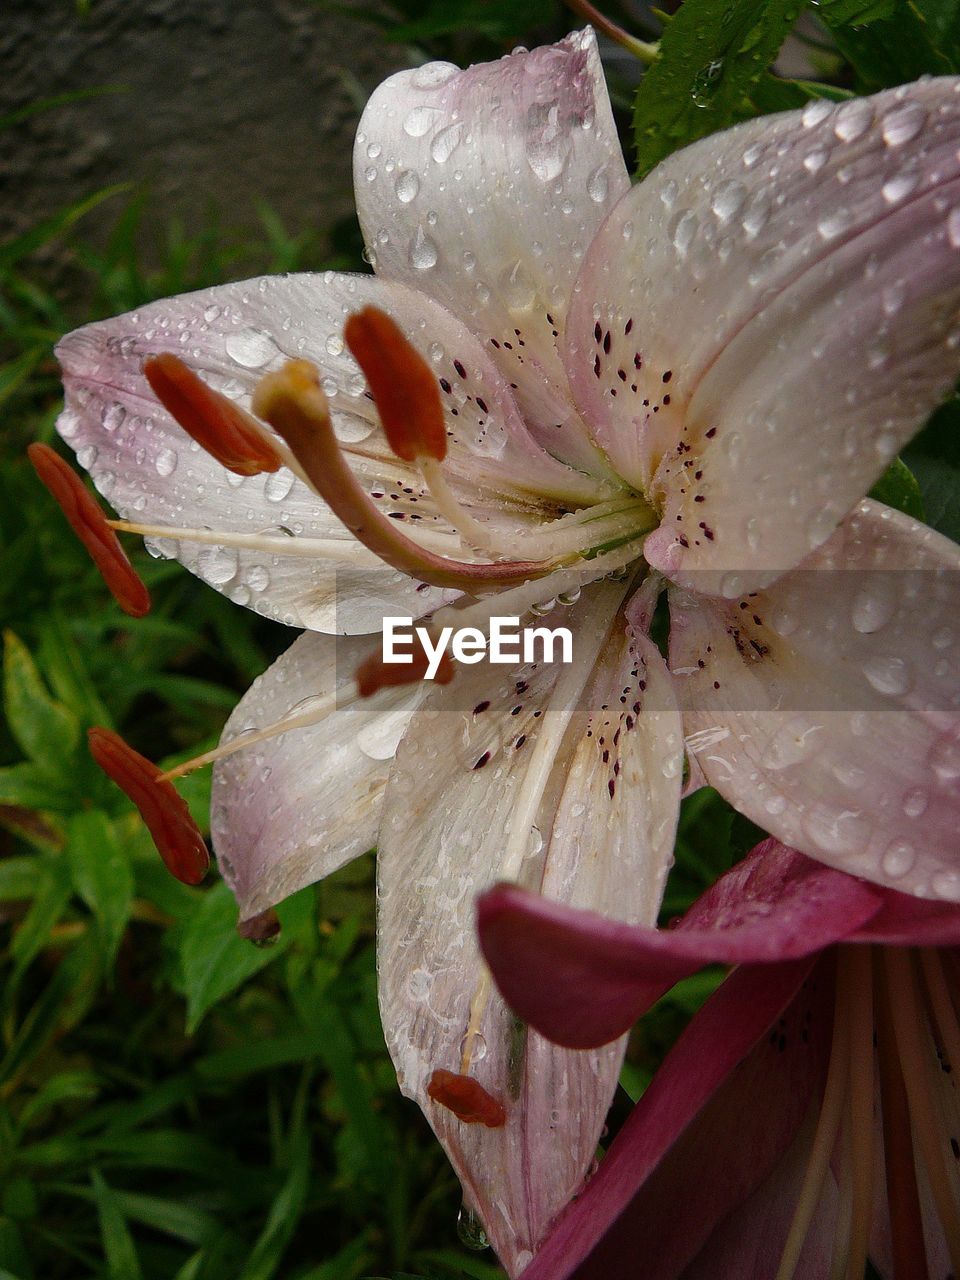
{"points": [[710, 57], [47, 731], [102, 877], [888, 48]]}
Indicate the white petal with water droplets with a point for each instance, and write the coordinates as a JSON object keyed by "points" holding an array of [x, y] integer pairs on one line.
{"points": [[289, 811], [763, 322], [485, 190], [599, 834], [231, 335], [826, 708]]}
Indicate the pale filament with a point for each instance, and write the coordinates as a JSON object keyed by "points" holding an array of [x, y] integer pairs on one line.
{"points": [[556, 718]]}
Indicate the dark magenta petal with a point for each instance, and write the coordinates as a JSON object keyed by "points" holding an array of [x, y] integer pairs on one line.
{"points": [[582, 979], [720, 1113], [905, 921]]}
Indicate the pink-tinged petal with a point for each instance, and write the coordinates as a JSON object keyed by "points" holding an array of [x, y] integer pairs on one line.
{"points": [[825, 708], [484, 189], [231, 335], [789, 290], [721, 1111], [905, 921], [582, 979], [503, 774], [286, 812]]}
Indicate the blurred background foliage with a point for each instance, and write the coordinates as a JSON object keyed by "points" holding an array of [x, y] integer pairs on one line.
{"points": [[175, 1102]]}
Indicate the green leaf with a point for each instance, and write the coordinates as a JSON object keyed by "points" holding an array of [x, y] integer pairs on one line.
{"points": [[102, 877], [47, 731], [887, 44], [31, 787], [54, 226], [215, 960], [898, 488], [285, 1212], [118, 1247], [710, 57]]}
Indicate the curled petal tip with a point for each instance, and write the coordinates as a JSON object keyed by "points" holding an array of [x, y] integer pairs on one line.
{"points": [[227, 432], [87, 520], [467, 1099], [404, 388], [164, 812], [262, 929]]}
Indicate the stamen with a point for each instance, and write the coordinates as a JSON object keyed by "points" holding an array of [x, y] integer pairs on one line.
{"points": [[916, 1067], [91, 526], [855, 974], [227, 432], [467, 1099], [165, 813], [403, 385], [293, 403], [343, 550], [907, 1246], [824, 1141], [374, 674]]}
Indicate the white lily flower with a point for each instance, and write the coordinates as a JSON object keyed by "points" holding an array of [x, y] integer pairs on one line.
{"points": [[732, 351]]}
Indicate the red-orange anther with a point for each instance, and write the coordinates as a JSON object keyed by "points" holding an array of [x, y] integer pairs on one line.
{"points": [[403, 385], [467, 1099], [90, 525], [164, 811], [374, 674], [227, 432]]}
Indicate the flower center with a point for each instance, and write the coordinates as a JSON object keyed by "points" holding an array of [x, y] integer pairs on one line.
{"points": [[895, 1020]]}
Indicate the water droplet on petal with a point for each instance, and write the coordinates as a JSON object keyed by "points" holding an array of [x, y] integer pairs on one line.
{"points": [[433, 74], [946, 884], [446, 141], [420, 121], [815, 112], [598, 185], [470, 1230], [112, 416], [944, 757], [888, 675], [423, 251], [903, 124], [728, 200], [898, 858], [250, 348], [165, 462], [218, 565], [277, 485], [407, 186], [873, 607], [853, 120], [899, 187], [915, 802]]}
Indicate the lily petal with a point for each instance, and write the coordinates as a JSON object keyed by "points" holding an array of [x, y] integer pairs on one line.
{"points": [[825, 708], [507, 776], [484, 188], [789, 290], [583, 979], [231, 335], [289, 811], [721, 1111]]}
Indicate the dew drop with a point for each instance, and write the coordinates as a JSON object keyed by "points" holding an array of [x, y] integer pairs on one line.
{"points": [[814, 161], [598, 185], [112, 416], [903, 124], [844, 833], [423, 251], [898, 858], [815, 112], [519, 291], [165, 462], [433, 74], [88, 455], [888, 675], [728, 200], [873, 607], [946, 884], [899, 187], [853, 120], [211, 313], [420, 121], [834, 223], [277, 485], [250, 348], [446, 141], [407, 186], [953, 227], [944, 757], [257, 578], [218, 565], [470, 1230]]}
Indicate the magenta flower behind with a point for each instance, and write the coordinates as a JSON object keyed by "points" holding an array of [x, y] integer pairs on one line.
{"points": [[701, 376], [806, 1118]]}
